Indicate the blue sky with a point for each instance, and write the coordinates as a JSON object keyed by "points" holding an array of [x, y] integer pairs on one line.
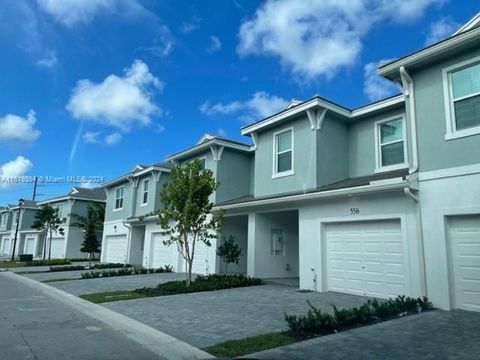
{"points": [[91, 88]]}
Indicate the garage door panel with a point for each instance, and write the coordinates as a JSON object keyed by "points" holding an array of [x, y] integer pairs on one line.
{"points": [[160, 254], [464, 236], [57, 250], [116, 248], [373, 258], [29, 246]]}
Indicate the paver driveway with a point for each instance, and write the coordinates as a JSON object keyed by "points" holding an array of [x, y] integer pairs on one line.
{"points": [[129, 282], [207, 318], [431, 335]]}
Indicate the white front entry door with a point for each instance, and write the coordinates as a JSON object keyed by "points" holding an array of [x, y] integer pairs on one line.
{"points": [[160, 254], [366, 258]]}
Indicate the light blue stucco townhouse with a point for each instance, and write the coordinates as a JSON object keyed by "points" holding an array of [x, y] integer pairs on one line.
{"points": [[131, 233], [379, 200], [32, 241]]}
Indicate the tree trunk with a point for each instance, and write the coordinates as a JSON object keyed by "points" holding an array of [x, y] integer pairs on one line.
{"points": [[189, 272], [45, 246], [50, 246]]}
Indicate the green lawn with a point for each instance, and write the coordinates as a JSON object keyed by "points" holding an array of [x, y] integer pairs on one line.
{"points": [[102, 297], [232, 348]]}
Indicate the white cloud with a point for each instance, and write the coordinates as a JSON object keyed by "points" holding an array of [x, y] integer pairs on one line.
{"points": [[120, 102], [49, 60], [113, 138], [189, 26], [440, 30], [319, 37], [18, 167], [260, 105], [72, 12], [91, 137], [17, 130], [163, 43], [374, 86], [215, 44]]}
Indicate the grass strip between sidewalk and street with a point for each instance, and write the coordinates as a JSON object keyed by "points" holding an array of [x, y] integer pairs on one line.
{"points": [[109, 296], [249, 345]]}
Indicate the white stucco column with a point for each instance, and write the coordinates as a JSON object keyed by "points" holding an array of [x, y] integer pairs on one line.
{"points": [[251, 244]]}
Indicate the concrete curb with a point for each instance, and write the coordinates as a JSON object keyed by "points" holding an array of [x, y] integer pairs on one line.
{"points": [[161, 344]]}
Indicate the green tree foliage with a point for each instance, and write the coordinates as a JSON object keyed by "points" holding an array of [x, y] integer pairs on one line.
{"points": [[186, 215], [48, 220], [229, 251], [91, 224]]}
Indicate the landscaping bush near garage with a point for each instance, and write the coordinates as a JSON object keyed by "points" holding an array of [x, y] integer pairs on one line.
{"points": [[318, 322], [201, 283], [125, 271], [67, 268]]}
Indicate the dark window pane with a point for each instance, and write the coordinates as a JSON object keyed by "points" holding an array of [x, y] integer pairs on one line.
{"points": [[467, 113], [392, 154], [284, 162]]}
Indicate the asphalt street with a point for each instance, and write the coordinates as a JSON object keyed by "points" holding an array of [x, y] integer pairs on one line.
{"points": [[34, 325]]}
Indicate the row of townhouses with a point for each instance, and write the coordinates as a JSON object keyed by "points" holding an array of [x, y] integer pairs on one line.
{"points": [[380, 200], [31, 241]]}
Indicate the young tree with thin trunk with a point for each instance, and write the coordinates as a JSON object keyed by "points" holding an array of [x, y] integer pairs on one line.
{"points": [[186, 215], [48, 220], [91, 224], [229, 251]]}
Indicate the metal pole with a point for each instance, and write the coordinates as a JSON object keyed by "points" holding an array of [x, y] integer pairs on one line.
{"points": [[35, 188], [20, 203]]}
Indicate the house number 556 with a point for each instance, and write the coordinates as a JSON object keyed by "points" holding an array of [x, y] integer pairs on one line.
{"points": [[354, 211]]}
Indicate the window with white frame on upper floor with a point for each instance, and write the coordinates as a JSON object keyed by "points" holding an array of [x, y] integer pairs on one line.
{"points": [[203, 161], [283, 153], [4, 219], [145, 191], [462, 99], [391, 149], [119, 198]]}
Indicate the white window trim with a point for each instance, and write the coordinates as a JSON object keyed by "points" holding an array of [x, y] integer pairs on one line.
{"points": [[142, 203], [378, 153], [4, 219], [452, 132], [276, 174], [115, 198]]}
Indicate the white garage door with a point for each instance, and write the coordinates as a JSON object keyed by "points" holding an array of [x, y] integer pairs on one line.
{"points": [[200, 264], [366, 258], [30, 246], [6, 247], [116, 249], [58, 248], [160, 254], [465, 243]]}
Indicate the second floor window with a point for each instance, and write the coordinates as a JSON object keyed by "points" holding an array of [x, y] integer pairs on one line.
{"points": [[4, 219], [119, 198], [283, 161], [145, 192], [465, 98], [391, 144], [202, 161]]}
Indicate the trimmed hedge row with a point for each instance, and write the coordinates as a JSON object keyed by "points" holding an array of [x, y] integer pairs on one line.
{"points": [[318, 322], [51, 262], [125, 272], [201, 283], [67, 268], [111, 266]]}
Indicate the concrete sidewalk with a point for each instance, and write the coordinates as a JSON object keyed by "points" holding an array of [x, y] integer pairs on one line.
{"points": [[41, 322]]}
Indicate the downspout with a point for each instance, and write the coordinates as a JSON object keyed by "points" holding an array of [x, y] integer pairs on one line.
{"points": [[408, 92]]}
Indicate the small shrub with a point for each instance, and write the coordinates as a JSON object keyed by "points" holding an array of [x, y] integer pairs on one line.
{"points": [[317, 322]]}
